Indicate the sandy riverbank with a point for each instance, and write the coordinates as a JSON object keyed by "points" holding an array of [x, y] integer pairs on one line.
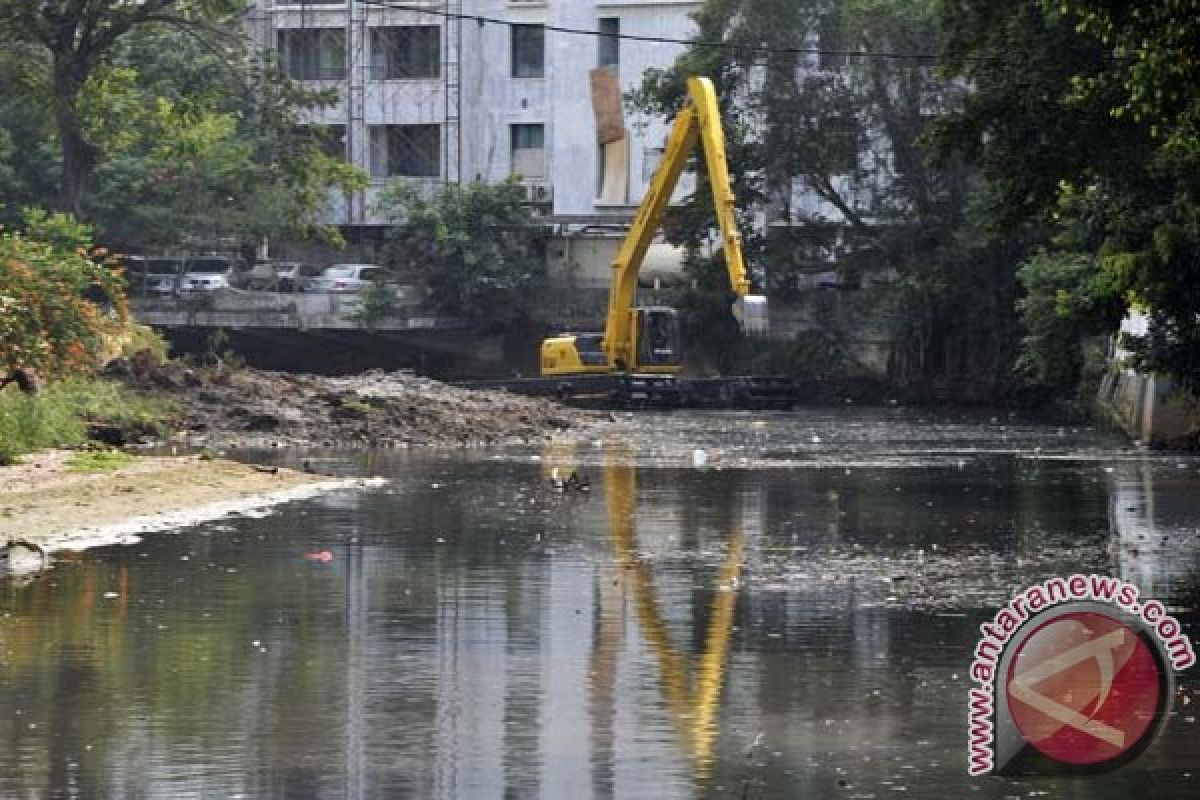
{"points": [[43, 502]]}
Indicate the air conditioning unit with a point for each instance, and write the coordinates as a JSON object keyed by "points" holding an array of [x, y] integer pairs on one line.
{"points": [[539, 193]]}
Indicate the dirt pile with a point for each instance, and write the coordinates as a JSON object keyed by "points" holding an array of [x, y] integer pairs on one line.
{"points": [[245, 407]]}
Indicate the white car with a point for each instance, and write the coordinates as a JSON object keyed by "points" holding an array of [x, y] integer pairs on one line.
{"points": [[346, 278], [207, 274], [204, 283]]}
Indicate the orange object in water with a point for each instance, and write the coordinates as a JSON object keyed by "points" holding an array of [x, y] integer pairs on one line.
{"points": [[322, 556]]}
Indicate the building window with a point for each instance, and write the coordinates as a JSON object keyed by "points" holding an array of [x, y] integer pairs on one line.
{"points": [[529, 151], [313, 54], [528, 51], [411, 151], [408, 52], [609, 42]]}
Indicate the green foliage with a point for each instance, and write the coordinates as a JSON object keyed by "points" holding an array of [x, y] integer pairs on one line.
{"points": [[144, 339], [92, 461], [1083, 118], [477, 247], [59, 309], [218, 353], [1064, 302], [61, 231], [109, 402], [231, 159], [708, 326], [29, 423], [170, 132], [57, 416], [817, 124], [374, 303]]}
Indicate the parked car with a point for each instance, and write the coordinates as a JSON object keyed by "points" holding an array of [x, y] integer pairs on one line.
{"points": [[207, 273], [347, 278], [259, 276], [292, 276], [152, 275]]}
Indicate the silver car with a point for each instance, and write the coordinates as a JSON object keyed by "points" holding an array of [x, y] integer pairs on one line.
{"points": [[347, 278], [292, 276]]}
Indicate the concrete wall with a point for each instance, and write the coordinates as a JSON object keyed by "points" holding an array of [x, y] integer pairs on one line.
{"points": [[1147, 407], [236, 309]]}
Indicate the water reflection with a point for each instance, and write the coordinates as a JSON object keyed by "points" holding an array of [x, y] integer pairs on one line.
{"points": [[744, 630], [1156, 533], [692, 700]]}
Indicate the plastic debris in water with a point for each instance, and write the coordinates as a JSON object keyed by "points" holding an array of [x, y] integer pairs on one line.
{"points": [[699, 458], [321, 556]]}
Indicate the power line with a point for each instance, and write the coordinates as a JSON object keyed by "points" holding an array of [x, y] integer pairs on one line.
{"points": [[633, 37]]}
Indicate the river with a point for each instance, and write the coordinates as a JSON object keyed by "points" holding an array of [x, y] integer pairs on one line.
{"points": [[742, 606]]}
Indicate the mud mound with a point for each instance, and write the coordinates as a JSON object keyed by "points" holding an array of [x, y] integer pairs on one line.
{"points": [[245, 407]]}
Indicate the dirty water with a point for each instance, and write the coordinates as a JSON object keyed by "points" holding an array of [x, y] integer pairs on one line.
{"points": [[742, 606]]}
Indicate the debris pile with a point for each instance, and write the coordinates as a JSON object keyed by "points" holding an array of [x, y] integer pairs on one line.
{"points": [[244, 407]]}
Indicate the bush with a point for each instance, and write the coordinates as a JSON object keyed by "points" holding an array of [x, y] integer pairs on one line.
{"points": [[59, 415], [59, 309], [33, 422], [144, 339]]}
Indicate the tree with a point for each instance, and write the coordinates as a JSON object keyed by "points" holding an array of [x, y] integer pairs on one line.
{"points": [[191, 136], [227, 159], [476, 246], [1082, 118], [79, 37], [846, 127]]}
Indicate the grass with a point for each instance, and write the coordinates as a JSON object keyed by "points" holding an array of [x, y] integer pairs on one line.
{"points": [[98, 461], [59, 415]]}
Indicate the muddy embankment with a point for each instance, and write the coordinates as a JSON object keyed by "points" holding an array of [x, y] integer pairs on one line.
{"points": [[47, 507], [222, 407]]}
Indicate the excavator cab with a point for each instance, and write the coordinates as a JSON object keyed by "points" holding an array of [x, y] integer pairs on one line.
{"points": [[658, 339]]}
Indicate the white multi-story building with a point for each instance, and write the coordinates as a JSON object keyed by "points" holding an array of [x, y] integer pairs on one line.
{"points": [[433, 91]]}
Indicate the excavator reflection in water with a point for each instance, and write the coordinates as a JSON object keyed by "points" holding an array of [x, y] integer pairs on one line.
{"points": [[691, 694]]}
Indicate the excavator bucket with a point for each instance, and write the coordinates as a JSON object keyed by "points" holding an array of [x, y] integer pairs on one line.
{"points": [[751, 313]]}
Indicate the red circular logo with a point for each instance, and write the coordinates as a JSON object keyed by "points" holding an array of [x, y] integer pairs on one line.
{"points": [[1084, 688]]}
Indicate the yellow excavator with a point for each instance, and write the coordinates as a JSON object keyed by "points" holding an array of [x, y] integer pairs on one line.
{"points": [[646, 339]]}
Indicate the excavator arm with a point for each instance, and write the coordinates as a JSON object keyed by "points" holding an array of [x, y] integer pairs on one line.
{"points": [[699, 119], [645, 340]]}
